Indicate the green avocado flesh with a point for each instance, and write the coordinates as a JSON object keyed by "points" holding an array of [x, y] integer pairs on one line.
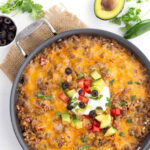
{"points": [[104, 14]]}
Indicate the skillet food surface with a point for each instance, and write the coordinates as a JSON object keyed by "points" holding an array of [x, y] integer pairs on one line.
{"points": [[82, 93]]}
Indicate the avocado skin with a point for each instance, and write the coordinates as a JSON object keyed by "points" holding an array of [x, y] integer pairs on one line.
{"points": [[109, 18]]}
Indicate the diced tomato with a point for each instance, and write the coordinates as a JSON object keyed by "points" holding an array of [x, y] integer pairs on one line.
{"points": [[115, 112], [83, 99], [63, 97], [96, 129], [89, 126], [82, 93], [87, 116], [96, 123], [87, 90], [81, 83], [87, 83]]}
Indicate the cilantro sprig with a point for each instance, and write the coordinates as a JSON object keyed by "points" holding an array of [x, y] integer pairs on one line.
{"points": [[34, 9], [40, 95]]}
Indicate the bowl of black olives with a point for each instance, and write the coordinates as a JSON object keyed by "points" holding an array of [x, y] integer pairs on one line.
{"points": [[8, 30]]}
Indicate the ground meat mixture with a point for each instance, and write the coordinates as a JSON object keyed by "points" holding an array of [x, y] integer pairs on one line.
{"points": [[39, 106]]}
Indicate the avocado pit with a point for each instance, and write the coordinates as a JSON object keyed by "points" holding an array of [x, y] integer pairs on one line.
{"points": [[108, 4]]}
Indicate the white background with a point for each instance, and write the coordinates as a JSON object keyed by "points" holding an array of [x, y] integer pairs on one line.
{"points": [[84, 10]]}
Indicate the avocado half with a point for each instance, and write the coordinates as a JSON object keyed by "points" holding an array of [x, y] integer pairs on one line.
{"points": [[104, 14]]}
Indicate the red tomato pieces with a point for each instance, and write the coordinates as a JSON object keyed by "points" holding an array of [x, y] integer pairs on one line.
{"points": [[87, 116], [115, 112], [81, 83], [89, 126], [96, 123], [83, 99], [82, 93], [96, 129], [63, 97]]}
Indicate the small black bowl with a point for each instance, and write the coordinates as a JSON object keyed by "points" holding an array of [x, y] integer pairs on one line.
{"points": [[8, 30]]}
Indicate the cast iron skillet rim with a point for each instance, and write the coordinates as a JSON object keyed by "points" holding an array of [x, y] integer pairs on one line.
{"points": [[16, 127]]}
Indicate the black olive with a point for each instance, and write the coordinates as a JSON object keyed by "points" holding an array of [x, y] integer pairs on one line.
{"points": [[99, 107], [92, 113], [69, 107], [65, 85], [7, 21], [10, 36], [12, 28], [94, 93], [1, 19], [2, 34], [79, 92], [3, 42], [81, 105], [4, 27], [68, 70]]}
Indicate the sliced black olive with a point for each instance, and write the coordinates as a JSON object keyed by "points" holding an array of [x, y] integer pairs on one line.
{"points": [[69, 107], [2, 34], [99, 108], [10, 36], [1, 19], [94, 93], [92, 113], [12, 28], [81, 105], [3, 42], [65, 85], [68, 70], [79, 92], [7, 21]]}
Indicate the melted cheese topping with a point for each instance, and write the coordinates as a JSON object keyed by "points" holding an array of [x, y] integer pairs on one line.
{"points": [[82, 55]]}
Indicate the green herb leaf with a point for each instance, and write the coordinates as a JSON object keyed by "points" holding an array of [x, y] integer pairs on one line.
{"points": [[122, 134], [47, 97], [133, 97], [84, 138], [73, 100], [80, 75], [111, 82], [58, 114], [22, 5], [138, 83], [116, 105], [40, 95], [75, 105], [123, 103], [109, 104], [130, 82], [107, 71], [83, 147], [129, 121]]}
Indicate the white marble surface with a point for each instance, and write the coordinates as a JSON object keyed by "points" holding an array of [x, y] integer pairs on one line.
{"points": [[84, 10]]}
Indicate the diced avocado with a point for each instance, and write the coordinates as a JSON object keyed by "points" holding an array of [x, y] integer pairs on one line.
{"points": [[111, 131], [65, 118], [71, 93], [76, 123], [99, 83], [95, 75], [104, 119], [105, 9]]}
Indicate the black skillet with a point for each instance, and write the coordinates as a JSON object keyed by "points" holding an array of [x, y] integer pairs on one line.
{"points": [[145, 145]]}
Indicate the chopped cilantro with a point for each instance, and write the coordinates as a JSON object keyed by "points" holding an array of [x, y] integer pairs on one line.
{"points": [[123, 103], [111, 82], [130, 82], [75, 105], [84, 138], [34, 9], [122, 134], [133, 97], [57, 114], [109, 104], [138, 83], [107, 71], [83, 147], [116, 105], [129, 121], [73, 100], [128, 19], [80, 75], [40, 95]]}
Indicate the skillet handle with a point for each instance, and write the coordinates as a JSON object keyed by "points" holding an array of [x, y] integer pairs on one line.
{"points": [[30, 29]]}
